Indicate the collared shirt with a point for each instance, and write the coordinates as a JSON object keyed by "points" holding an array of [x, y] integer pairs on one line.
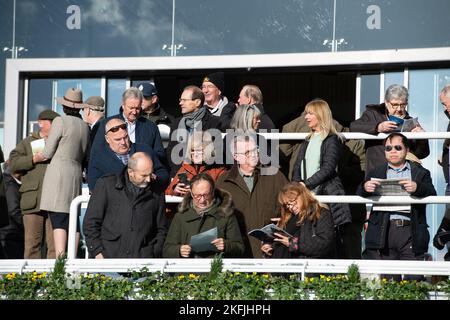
{"points": [[403, 172], [123, 157], [131, 128], [247, 179]]}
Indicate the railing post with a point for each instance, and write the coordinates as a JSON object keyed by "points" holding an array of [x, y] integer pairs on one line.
{"points": [[73, 216]]}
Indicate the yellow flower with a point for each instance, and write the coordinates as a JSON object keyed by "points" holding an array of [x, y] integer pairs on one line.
{"points": [[265, 276], [384, 280], [192, 276], [328, 279], [322, 276], [237, 273], [180, 277]]}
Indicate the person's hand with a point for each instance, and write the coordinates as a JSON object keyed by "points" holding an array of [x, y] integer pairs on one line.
{"points": [[38, 157], [282, 239], [418, 128], [181, 189], [153, 177], [99, 256], [275, 220], [219, 243], [387, 126], [409, 185], [371, 185], [185, 250], [267, 249]]}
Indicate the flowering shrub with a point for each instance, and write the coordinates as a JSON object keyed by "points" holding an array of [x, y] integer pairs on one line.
{"points": [[218, 285]]}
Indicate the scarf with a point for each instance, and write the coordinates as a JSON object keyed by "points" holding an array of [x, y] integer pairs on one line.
{"points": [[189, 122]]}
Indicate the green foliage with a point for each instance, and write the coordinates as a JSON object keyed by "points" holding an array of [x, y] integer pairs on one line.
{"points": [[217, 285]]}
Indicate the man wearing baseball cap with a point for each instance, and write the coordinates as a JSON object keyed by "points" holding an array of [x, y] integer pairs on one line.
{"points": [[150, 105]]}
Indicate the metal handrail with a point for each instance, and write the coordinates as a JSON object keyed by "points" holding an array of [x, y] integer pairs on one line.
{"points": [[73, 215], [367, 268]]}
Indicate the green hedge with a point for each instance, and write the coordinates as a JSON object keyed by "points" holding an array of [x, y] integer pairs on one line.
{"points": [[216, 285]]}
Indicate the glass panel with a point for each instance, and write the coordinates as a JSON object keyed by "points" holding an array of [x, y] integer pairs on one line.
{"points": [[39, 99], [424, 88], [115, 89], [370, 90], [86, 28], [6, 20], [252, 26], [368, 24], [393, 78]]}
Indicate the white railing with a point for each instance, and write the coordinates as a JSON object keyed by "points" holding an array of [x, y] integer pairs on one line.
{"points": [[299, 266], [358, 135], [73, 216]]}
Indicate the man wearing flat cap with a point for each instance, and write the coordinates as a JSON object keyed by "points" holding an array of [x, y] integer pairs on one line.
{"points": [[213, 87], [94, 111], [36, 223]]}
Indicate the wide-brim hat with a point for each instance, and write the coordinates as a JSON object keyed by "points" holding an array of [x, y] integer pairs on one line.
{"points": [[72, 99], [94, 103]]}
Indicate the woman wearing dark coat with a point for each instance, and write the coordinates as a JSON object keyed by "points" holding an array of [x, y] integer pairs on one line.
{"points": [[203, 209], [308, 221], [318, 159]]}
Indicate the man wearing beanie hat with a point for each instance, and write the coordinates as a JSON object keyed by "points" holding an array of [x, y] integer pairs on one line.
{"points": [[213, 87], [34, 220]]}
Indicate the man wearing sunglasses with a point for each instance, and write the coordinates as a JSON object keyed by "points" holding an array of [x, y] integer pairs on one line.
{"points": [[140, 129], [112, 158], [398, 234], [376, 119]]}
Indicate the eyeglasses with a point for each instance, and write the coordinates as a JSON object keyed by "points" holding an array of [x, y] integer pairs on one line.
{"points": [[206, 196], [122, 126], [250, 153], [398, 105], [396, 147], [184, 100], [197, 151]]}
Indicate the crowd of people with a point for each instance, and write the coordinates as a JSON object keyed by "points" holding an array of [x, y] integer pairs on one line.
{"points": [[228, 175]]}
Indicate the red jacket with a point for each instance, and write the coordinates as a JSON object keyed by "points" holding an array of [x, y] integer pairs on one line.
{"points": [[192, 170]]}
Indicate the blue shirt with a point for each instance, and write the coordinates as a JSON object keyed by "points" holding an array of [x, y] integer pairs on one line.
{"points": [[403, 172]]}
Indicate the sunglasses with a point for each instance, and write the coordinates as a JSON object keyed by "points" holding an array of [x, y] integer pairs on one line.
{"points": [[122, 126], [396, 147]]}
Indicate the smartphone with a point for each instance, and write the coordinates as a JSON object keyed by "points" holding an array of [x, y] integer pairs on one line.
{"points": [[183, 178]]}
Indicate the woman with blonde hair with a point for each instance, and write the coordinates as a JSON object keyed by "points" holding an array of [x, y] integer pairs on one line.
{"points": [[199, 159], [307, 220], [317, 161]]}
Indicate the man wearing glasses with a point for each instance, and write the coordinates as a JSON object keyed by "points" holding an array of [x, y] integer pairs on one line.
{"points": [[114, 157], [376, 119], [399, 233], [204, 209], [254, 195], [140, 129], [195, 117]]}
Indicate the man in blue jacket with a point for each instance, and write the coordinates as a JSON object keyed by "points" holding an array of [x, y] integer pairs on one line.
{"points": [[113, 156], [398, 234], [140, 129]]}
